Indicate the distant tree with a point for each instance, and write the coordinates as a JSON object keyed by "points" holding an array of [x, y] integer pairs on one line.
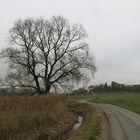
{"points": [[122, 87], [80, 91], [45, 54], [115, 86], [106, 87]]}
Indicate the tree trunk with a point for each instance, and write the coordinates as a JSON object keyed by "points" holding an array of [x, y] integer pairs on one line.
{"points": [[38, 86], [48, 86]]}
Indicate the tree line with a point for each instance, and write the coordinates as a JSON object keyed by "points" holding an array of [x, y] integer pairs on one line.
{"points": [[113, 87]]}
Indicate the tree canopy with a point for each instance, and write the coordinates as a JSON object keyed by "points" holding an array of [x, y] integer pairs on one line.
{"points": [[47, 54]]}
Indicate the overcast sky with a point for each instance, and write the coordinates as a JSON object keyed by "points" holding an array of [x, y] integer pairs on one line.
{"points": [[113, 27]]}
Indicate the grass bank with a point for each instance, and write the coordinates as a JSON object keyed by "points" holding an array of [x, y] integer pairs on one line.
{"points": [[94, 130], [91, 126], [130, 101]]}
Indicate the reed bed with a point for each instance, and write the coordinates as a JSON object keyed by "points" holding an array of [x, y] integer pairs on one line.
{"points": [[25, 117]]}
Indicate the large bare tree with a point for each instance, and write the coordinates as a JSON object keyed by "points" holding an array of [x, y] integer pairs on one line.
{"points": [[45, 54]]}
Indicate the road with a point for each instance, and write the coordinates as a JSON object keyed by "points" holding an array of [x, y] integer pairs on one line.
{"points": [[122, 124]]}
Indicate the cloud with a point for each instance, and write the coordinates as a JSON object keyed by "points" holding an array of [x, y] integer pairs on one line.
{"points": [[113, 28]]}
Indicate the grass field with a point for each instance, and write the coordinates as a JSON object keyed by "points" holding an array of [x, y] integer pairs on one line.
{"points": [[130, 101]]}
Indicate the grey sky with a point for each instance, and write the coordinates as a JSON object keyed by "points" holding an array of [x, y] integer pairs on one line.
{"points": [[113, 27]]}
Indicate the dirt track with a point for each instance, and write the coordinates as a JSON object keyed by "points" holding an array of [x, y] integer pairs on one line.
{"points": [[122, 124]]}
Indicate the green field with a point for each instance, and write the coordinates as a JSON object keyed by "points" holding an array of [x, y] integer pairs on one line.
{"points": [[130, 101]]}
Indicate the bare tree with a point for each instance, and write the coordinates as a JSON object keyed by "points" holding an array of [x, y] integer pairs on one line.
{"points": [[45, 54]]}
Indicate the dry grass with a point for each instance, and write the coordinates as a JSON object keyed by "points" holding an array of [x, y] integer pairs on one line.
{"points": [[24, 117]]}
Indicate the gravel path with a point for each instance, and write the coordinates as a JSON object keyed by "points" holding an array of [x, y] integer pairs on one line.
{"points": [[123, 124]]}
